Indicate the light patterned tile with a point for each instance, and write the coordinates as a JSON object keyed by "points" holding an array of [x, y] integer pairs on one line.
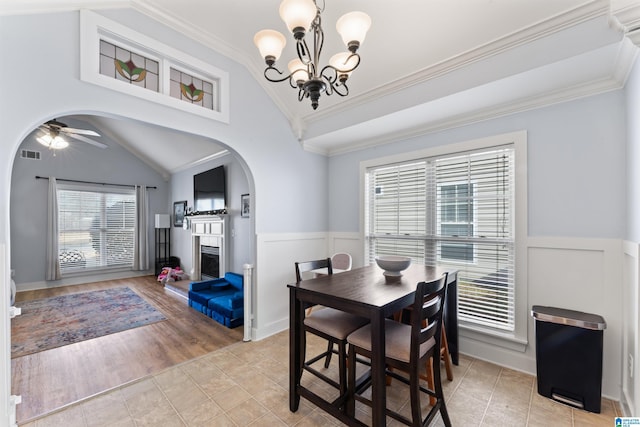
{"points": [[70, 417], [248, 412]]}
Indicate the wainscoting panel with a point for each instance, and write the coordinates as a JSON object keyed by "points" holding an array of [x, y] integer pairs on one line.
{"points": [[276, 255], [630, 328], [350, 243], [583, 275]]}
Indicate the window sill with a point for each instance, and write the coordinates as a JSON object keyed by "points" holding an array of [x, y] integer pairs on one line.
{"points": [[492, 337]]}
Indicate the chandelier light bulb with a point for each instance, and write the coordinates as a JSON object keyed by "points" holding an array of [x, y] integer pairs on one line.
{"points": [[270, 44], [353, 28], [298, 15], [344, 63], [298, 70]]}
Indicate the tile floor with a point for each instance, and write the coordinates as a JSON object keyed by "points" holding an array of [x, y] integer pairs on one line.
{"points": [[246, 384]]}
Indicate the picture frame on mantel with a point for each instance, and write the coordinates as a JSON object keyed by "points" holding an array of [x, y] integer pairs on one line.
{"points": [[179, 209], [245, 206]]}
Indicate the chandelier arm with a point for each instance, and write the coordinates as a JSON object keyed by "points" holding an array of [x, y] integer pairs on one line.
{"points": [[303, 52], [275, 80], [341, 89], [318, 43], [301, 94]]}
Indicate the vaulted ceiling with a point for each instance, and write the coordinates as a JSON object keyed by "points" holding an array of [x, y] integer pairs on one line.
{"points": [[426, 64]]}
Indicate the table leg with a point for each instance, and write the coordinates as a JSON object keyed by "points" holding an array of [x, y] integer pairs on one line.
{"points": [[295, 349], [378, 383], [451, 318]]}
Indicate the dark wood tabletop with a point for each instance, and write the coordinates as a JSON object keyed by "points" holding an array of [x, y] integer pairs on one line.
{"points": [[366, 292]]}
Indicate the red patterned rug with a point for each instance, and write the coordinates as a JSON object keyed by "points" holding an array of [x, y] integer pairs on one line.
{"points": [[53, 322]]}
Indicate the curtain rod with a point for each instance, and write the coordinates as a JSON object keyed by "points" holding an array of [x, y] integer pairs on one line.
{"points": [[91, 182]]}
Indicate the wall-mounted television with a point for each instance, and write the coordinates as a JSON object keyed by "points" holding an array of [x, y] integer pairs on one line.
{"points": [[209, 191]]}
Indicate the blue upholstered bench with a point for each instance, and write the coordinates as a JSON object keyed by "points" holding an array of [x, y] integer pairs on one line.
{"points": [[221, 299]]}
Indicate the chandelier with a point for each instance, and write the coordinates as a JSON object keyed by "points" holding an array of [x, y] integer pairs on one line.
{"points": [[305, 73]]}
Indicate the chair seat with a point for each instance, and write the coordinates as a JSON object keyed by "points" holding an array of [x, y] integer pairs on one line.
{"points": [[397, 340], [335, 323]]}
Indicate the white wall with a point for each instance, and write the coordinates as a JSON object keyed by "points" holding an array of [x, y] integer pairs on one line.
{"points": [[576, 217], [631, 291]]}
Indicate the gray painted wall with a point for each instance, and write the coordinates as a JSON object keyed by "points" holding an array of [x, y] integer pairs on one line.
{"points": [[79, 161], [240, 240], [576, 167]]}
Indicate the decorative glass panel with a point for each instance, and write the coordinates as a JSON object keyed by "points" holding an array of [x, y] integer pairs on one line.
{"points": [[127, 66], [193, 89]]}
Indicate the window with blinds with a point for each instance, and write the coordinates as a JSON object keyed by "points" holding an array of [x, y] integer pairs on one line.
{"points": [[96, 228], [455, 211]]}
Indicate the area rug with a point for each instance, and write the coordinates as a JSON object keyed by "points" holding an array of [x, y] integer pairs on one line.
{"points": [[53, 322]]}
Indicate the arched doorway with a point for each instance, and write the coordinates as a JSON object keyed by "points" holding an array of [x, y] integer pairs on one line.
{"points": [[84, 161]]}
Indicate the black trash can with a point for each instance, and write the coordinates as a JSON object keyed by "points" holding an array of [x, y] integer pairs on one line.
{"points": [[569, 347]]}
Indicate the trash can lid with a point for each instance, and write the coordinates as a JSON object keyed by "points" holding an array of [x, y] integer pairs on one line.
{"points": [[568, 317]]}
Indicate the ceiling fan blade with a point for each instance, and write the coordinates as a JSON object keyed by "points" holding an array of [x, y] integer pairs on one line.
{"points": [[87, 140], [79, 131]]}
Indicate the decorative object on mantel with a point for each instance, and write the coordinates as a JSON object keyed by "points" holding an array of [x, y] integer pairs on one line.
{"points": [[305, 73], [245, 206], [179, 210]]}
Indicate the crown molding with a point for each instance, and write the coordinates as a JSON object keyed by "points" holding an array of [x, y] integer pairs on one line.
{"points": [[16, 7], [531, 103], [625, 59], [583, 13]]}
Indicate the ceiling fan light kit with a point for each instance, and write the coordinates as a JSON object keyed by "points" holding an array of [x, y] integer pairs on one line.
{"points": [[53, 139], [305, 74], [55, 142]]}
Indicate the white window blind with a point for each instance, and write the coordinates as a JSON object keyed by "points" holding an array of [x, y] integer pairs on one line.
{"points": [[96, 227], [454, 211]]}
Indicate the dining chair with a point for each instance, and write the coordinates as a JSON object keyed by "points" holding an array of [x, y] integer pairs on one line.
{"points": [[445, 356], [332, 325], [407, 349], [341, 261]]}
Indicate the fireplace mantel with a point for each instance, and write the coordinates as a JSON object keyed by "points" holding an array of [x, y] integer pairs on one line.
{"points": [[207, 230]]}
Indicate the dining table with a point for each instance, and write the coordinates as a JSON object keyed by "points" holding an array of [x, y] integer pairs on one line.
{"points": [[366, 292]]}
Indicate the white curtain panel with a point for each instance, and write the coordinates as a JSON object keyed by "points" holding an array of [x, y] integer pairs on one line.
{"points": [[141, 244], [53, 261]]}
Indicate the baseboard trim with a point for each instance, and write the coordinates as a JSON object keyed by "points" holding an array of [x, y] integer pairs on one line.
{"points": [[80, 280]]}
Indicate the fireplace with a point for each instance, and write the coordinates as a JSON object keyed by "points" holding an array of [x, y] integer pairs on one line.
{"points": [[209, 262], [208, 247]]}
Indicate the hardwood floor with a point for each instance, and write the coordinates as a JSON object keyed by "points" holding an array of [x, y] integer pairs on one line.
{"points": [[54, 378]]}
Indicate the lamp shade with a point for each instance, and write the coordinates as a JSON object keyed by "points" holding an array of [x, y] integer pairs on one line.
{"points": [[270, 43], [298, 13], [344, 62], [298, 71], [163, 221], [353, 26]]}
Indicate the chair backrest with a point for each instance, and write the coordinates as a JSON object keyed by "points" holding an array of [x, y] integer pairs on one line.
{"points": [[426, 316], [305, 266], [236, 280], [341, 261]]}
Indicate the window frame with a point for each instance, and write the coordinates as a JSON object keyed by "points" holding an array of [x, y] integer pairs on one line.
{"points": [[102, 189], [516, 339]]}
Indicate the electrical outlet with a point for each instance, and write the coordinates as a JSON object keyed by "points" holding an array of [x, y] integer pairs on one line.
{"points": [[630, 362]]}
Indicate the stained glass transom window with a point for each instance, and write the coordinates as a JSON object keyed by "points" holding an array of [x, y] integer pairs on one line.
{"points": [[127, 66], [193, 89]]}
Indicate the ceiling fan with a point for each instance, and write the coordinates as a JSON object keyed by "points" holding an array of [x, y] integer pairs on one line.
{"points": [[55, 130]]}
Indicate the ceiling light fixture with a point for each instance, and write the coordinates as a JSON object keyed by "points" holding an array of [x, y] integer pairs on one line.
{"points": [[52, 140], [305, 74]]}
